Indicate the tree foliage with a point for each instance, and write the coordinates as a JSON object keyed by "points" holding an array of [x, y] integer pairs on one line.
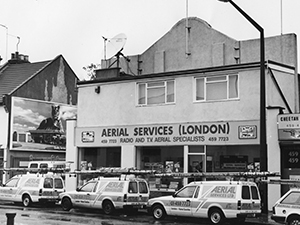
{"points": [[90, 70]]}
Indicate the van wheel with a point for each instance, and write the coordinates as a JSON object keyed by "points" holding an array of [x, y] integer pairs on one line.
{"points": [[26, 200], [158, 212], [216, 216], [108, 207], [294, 220], [66, 204]]}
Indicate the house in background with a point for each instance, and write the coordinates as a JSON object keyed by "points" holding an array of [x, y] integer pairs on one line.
{"points": [[36, 99], [190, 102]]}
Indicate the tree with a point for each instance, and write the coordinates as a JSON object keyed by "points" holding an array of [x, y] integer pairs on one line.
{"points": [[90, 70]]}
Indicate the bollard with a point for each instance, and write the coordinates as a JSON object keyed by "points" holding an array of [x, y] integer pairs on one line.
{"points": [[10, 218]]}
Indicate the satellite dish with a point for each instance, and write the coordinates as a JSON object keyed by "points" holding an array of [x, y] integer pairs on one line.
{"points": [[114, 45]]}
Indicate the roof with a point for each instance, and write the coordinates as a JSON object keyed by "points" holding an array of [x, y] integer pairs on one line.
{"points": [[13, 76]]}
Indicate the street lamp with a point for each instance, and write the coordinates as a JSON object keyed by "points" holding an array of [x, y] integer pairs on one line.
{"points": [[6, 39], [263, 141]]}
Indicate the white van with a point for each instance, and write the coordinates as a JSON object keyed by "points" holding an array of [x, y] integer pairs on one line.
{"points": [[32, 188], [47, 165], [108, 193], [215, 200]]}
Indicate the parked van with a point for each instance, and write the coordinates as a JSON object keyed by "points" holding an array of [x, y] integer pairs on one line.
{"points": [[108, 193], [47, 165], [32, 188], [215, 200]]}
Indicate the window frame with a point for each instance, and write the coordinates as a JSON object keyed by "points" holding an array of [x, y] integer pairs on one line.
{"points": [[147, 88], [206, 82]]}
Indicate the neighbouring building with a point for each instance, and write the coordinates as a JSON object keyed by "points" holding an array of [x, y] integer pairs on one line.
{"points": [[190, 102], [36, 99]]}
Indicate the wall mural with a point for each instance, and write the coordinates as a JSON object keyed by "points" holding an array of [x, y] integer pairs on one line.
{"points": [[39, 125]]}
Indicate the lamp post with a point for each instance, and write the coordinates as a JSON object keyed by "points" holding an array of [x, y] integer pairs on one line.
{"points": [[263, 139], [6, 39]]}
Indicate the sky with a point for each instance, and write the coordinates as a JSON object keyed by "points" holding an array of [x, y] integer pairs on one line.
{"points": [[75, 28]]}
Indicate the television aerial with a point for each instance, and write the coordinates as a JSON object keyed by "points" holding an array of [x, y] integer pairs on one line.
{"points": [[113, 48]]}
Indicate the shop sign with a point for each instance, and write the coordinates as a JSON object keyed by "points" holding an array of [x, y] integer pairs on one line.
{"points": [[289, 127], [218, 133]]}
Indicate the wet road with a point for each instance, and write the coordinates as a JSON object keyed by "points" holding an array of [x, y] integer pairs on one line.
{"points": [[55, 216]]}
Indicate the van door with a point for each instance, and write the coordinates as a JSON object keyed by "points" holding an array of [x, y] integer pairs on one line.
{"points": [[133, 193], [9, 190], [82, 198], [138, 193], [180, 204], [143, 193], [256, 201], [52, 187], [58, 186], [250, 199]]}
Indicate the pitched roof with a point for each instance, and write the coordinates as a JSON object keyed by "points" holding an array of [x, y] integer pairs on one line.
{"points": [[12, 76]]}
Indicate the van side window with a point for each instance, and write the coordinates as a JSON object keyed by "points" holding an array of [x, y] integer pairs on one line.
{"points": [[12, 183], [48, 183], [133, 187], [88, 187], [186, 192], [245, 192], [143, 188], [58, 183], [254, 192]]}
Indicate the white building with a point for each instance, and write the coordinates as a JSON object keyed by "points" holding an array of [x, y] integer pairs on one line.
{"points": [[186, 112]]}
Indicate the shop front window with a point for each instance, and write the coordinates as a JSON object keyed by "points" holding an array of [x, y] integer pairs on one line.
{"points": [[237, 158], [163, 159], [95, 158]]}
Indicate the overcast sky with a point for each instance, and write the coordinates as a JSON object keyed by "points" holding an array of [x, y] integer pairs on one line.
{"points": [[74, 28]]}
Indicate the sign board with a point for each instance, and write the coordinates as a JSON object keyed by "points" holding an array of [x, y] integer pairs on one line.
{"points": [[288, 127], [39, 124], [217, 133]]}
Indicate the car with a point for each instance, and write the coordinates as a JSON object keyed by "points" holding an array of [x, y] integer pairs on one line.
{"points": [[215, 200], [32, 188], [108, 194], [286, 210]]}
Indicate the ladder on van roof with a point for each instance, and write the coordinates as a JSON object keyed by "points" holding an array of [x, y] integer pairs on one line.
{"points": [[117, 171]]}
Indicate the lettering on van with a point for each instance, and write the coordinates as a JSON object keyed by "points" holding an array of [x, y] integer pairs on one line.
{"points": [[223, 192], [180, 203], [32, 182], [114, 186]]}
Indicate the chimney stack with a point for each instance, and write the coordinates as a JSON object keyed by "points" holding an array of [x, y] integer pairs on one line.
{"points": [[17, 58]]}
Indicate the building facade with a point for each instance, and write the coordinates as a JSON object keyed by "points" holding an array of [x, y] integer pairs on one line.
{"points": [[35, 101], [186, 112]]}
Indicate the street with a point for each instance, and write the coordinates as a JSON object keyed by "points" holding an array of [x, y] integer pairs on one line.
{"points": [[54, 215]]}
